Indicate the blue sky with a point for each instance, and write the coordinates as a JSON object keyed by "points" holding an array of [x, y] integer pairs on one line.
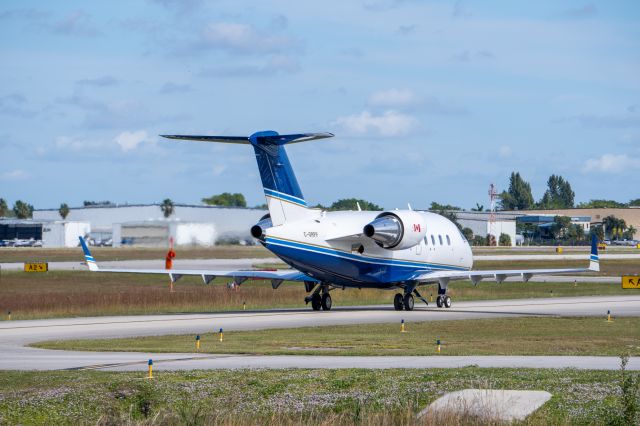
{"points": [[429, 100]]}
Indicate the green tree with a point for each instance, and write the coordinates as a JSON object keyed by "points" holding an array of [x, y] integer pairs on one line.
{"points": [[468, 233], [558, 195], [478, 208], [226, 199], [575, 233], [479, 240], [437, 207], [518, 196], [63, 210], [97, 203], [4, 208], [635, 203], [505, 239], [22, 210], [167, 207], [560, 226], [630, 233], [352, 204], [614, 227], [600, 204]]}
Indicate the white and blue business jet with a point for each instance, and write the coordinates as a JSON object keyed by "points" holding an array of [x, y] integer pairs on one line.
{"points": [[398, 249]]}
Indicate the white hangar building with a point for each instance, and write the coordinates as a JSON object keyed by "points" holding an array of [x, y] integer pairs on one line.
{"points": [[145, 224]]}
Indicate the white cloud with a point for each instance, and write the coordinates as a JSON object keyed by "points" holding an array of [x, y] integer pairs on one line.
{"points": [[611, 163], [13, 175], [131, 140], [241, 38], [390, 123], [393, 98]]}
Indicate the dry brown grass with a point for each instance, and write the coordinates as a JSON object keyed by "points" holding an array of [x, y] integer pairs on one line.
{"points": [[26, 254], [82, 293]]}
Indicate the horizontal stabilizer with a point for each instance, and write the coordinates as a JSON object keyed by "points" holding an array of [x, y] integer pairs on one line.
{"points": [[268, 137]]}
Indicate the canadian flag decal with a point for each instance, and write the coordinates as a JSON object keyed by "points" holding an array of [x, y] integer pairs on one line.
{"points": [[416, 227]]}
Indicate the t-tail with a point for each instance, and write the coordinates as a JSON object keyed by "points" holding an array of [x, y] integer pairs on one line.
{"points": [[284, 197]]}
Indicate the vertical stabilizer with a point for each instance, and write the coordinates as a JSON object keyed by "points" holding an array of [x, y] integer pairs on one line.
{"points": [[284, 197]]}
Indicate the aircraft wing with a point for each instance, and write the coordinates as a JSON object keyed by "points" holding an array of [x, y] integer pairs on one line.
{"points": [[276, 277], [499, 275]]}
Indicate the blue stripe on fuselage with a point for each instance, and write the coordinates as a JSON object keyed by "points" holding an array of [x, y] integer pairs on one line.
{"points": [[346, 266]]}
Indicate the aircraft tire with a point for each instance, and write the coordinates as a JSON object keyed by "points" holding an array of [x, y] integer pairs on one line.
{"points": [[398, 304], [439, 301], [326, 302], [316, 302], [408, 302], [447, 302]]}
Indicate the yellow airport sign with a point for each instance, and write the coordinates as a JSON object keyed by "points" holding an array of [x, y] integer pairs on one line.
{"points": [[36, 267], [631, 281]]}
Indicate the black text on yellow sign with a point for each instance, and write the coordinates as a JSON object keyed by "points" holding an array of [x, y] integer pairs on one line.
{"points": [[36, 267], [631, 281]]}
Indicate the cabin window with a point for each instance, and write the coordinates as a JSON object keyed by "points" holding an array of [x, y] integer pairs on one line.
{"points": [[448, 241], [440, 239], [426, 240], [433, 240]]}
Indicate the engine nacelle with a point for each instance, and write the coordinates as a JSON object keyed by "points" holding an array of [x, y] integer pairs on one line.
{"points": [[397, 230], [257, 230]]}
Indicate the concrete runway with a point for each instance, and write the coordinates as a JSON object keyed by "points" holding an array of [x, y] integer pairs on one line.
{"points": [[15, 335]]}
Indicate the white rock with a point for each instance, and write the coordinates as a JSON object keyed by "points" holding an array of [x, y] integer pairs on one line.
{"points": [[505, 405]]}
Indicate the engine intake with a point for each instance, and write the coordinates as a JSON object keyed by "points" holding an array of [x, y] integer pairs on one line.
{"points": [[397, 230]]}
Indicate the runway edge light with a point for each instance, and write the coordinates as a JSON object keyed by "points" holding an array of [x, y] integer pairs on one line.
{"points": [[609, 316], [402, 330], [221, 335], [197, 342], [150, 364], [438, 345]]}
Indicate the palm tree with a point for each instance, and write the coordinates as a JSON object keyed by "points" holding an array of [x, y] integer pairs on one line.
{"points": [[63, 210], [167, 207]]}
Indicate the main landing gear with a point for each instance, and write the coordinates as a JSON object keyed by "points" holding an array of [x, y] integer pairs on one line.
{"points": [[406, 301], [443, 300], [320, 299]]}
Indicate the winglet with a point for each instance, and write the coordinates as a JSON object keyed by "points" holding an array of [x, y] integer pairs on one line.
{"points": [[91, 263], [594, 259]]}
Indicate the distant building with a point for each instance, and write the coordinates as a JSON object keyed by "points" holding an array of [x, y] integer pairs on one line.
{"points": [[631, 215], [544, 223], [145, 224], [48, 233], [479, 223]]}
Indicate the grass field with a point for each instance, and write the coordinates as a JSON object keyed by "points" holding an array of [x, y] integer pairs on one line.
{"points": [[286, 397], [26, 254], [81, 293], [499, 336]]}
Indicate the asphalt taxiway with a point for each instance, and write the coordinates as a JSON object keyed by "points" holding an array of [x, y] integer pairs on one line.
{"points": [[16, 335]]}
